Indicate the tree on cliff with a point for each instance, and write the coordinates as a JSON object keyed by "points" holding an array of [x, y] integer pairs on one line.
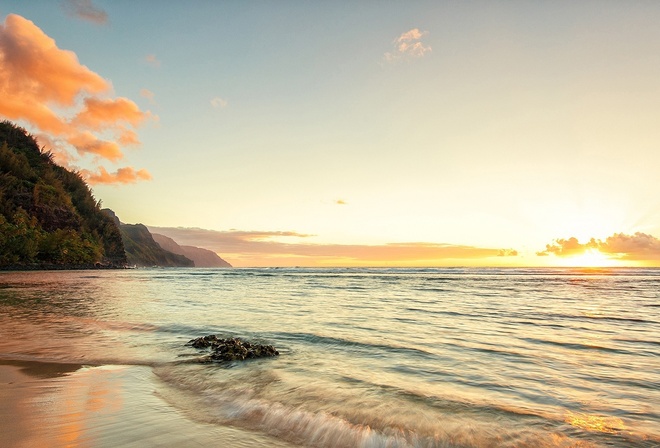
{"points": [[48, 215]]}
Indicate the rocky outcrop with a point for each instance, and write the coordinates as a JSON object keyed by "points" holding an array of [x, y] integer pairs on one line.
{"points": [[232, 349]]}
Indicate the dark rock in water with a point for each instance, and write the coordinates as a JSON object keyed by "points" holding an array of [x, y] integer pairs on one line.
{"points": [[232, 349]]}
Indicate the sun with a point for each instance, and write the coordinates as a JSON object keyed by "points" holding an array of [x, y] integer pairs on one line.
{"points": [[591, 258]]}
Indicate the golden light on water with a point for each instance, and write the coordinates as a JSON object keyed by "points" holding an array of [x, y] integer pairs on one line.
{"points": [[595, 423]]}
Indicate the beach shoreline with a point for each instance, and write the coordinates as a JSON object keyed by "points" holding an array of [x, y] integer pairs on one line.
{"points": [[52, 404]]}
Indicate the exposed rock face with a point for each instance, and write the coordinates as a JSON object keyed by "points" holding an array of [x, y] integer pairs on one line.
{"points": [[232, 349], [203, 258]]}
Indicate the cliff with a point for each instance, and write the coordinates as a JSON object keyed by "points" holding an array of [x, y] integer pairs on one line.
{"points": [[203, 258], [48, 215], [142, 250]]}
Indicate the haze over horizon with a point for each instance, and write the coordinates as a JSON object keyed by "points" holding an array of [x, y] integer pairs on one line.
{"points": [[336, 134]]}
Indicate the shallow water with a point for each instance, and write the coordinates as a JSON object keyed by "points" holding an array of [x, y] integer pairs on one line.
{"points": [[369, 357]]}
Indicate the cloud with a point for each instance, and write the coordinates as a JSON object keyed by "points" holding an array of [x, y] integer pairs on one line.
{"points": [[68, 104], [148, 94], [86, 142], [507, 253], [276, 249], [103, 113], [126, 175], [637, 247], [33, 66], [152, 60], [85, 9], [218, 102], [408, 46], [567, 247]]}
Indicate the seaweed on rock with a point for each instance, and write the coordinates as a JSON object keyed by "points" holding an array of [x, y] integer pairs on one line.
{"points": [[231, 349]]}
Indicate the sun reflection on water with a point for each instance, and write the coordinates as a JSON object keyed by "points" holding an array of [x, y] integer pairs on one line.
{"points": [[595, 423]]}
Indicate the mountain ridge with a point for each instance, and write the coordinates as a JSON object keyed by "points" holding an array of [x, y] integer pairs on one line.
{"points": [[203, 258]]}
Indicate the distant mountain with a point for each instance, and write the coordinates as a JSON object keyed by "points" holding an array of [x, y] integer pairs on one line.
{"points": [[142, 250], [48, 216], [203, 258]]}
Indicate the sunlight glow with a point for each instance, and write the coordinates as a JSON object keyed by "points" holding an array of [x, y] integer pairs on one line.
{"points": [[591, 258]]}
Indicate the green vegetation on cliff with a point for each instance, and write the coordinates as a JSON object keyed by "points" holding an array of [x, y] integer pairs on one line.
{"points": [[48, 216], [142, 250]]}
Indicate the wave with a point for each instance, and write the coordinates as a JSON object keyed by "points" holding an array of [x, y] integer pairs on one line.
{"points": [[578, 346], [592, 317], [342, 343], [307, 412], [639, 341]]}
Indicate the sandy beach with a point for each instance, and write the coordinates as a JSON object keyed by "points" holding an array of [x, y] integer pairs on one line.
{"points": [[68, 405]]}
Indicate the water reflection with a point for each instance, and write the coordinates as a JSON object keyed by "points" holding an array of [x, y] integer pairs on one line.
{"points": [[596, 423], [40, 369]]}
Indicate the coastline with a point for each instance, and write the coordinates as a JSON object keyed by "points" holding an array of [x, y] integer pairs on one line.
{"points": [[61, 267], [57, 405]]}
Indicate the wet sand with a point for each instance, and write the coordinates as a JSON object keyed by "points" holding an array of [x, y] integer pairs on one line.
{"points": [[57, 405]]}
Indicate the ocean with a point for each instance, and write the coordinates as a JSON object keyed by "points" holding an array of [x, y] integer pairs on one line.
{"points": [[368, 357]]}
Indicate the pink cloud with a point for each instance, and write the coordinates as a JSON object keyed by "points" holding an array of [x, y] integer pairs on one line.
{"points": [[86, 10], [408, 45]]}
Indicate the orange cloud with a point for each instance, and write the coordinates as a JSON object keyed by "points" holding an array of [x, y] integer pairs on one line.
{"points": [[84, 9], [86, 142], [567, 248], [408, 45], [152, 60], [126, 175], [637, 247], [128, 138], [102, 113], [34, 67], [148, 94], [36, 75], [268, 249]]}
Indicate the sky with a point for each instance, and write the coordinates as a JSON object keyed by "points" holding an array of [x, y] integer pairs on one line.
{"points": [[395, 133]]}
